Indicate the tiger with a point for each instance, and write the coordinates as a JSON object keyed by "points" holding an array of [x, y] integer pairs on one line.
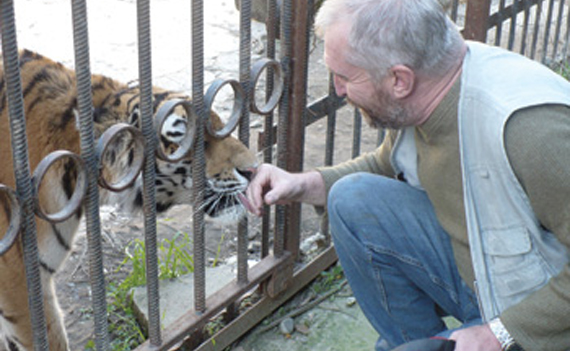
{"points": [[51, 111]]}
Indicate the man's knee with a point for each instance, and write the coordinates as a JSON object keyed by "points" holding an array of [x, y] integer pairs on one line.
{"points": [[344, 193]]}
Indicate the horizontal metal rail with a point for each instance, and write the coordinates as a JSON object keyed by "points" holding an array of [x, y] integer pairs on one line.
{"points": [[190, 321]]}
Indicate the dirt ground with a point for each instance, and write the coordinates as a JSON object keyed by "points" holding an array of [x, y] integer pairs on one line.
{"points": [[112, 28]]}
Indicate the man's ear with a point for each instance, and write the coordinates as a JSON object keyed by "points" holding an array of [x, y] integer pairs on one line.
{"points": [[403, 81]]}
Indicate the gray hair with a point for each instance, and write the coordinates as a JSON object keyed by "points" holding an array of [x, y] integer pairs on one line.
{"points": [[384, 33]]}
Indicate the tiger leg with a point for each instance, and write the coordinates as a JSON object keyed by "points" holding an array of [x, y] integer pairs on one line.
{"points": [[15, 323], [57, 336]]}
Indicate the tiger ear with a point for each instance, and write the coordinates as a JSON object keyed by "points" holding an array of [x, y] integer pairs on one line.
{"points": [[134, 117]]}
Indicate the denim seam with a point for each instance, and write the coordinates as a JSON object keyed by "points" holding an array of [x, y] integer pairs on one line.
{"points": [[384, 298], [407, 260]]}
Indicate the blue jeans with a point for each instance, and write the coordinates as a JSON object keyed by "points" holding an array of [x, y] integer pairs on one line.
{"points": [[397, 259]]}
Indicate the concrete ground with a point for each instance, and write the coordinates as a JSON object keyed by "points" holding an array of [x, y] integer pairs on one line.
{"points": [[333, 321]]}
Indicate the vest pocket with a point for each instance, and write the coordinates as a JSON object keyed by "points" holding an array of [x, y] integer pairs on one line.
{"points": [[514, 268]]}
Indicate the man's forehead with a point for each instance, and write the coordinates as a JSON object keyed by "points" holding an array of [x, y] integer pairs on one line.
{"points": [[336, 45]]}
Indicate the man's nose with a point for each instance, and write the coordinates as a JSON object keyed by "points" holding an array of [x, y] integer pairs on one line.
{"points": [[339, 86]]}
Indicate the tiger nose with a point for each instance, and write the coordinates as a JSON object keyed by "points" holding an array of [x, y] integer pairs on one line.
{"points": [[247, 173]]}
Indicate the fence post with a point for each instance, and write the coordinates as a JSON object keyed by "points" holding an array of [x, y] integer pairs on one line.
{"points": [[477, 20]]}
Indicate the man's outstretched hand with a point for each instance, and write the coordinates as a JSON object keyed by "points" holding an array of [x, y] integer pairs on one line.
{"points": [[272, 185]]}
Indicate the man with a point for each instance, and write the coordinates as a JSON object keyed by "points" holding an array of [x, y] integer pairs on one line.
{"points": [[463, 210]]}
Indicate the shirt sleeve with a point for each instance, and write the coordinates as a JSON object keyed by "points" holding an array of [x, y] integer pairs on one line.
{"points": [[537, 142], [377, 162]]}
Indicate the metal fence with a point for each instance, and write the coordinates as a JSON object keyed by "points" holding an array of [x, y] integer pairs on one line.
{"points": [[536, 28]]}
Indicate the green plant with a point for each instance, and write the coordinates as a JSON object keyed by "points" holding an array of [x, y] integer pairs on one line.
{"points": [[563, 69], [328, 279], [174, 261]]}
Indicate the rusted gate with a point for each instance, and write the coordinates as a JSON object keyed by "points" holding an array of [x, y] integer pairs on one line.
{"points": [[537, 28]]}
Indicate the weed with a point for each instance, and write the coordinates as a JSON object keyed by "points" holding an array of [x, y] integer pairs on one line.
{"points": [[174, 261], [328, 280], [563, 69]]}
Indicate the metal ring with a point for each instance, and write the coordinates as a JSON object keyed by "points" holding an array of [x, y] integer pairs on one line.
{"points": [[15, 220], [186, 145], [273, 100], [78, 194], [232, 123], [106, 140]]}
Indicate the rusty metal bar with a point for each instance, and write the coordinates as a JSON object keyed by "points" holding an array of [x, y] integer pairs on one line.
{"points": [[357, 133], [495, 18], [245, 81], [149, 171], [547, 31], [283, 122], [536, 29], [454, 9], [526, 8], [198, 164], [558, 28], [191, 321], [331, 126], [476, 20], [296, 124], [21, 167], [92, 220], [313, 113], [266, 305], [513, 24], [567, 41], [499, 26], [268, 137]]}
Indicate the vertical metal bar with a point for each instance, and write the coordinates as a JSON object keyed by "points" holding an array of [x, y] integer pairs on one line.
{"points": [[500, 16], [297, 113], [526, 6], [558, 28], [85, 106], [271, 25], [380, 137], [22, 173], [538, 13], [149, 171], [513, 24], [357, 133], [331, 124], [283, 123], [547, 31], [198, 164], [454, 9], [245, 81], [477, 20], [567, 41]]}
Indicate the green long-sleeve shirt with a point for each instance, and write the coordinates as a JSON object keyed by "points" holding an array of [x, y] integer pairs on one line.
{"points": [[537, 140]]}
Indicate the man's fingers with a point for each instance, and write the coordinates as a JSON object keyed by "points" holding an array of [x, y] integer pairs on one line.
{"points": [[254, 192]]}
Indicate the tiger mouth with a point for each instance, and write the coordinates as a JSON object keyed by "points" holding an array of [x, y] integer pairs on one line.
{"points": [[220, 204]]}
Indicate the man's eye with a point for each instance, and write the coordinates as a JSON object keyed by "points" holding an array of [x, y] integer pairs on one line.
{"points": [[341, 78]]}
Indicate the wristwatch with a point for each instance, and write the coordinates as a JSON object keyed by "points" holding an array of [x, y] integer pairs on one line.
{"points": [[502, 334]]}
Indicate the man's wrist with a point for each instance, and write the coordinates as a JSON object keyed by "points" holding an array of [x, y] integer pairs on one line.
{"points": [[507, 342]]}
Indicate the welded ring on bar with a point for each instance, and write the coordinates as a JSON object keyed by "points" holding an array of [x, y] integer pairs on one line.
{"points": [[258, 68], [15, 220], [184, 147], [107, 140], [232, 123], [78, 194]]}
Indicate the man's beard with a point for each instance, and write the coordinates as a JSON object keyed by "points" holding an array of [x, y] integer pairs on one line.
{"points": [[390, 115]]}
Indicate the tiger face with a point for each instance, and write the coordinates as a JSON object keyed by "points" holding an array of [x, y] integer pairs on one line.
{"points": [[50, 104], [229, 163]]}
